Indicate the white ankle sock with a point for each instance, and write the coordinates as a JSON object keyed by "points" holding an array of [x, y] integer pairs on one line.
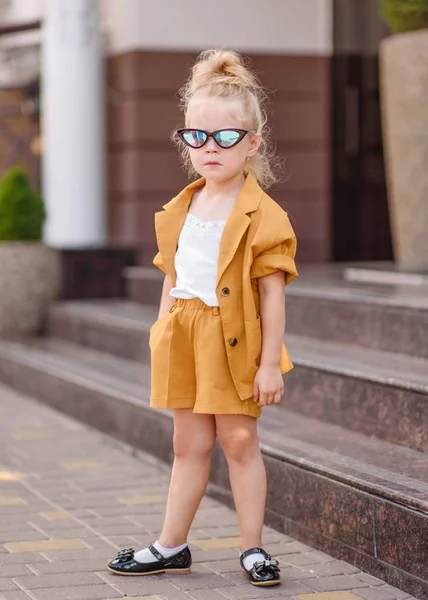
{"points": [[253, 558], [145, 556]]}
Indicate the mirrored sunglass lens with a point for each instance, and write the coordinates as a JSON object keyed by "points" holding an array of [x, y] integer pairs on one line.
{"points": [[194, 138], [227, 138]]}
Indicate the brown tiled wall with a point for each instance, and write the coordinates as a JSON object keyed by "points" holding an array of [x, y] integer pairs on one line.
{"points": [[144, 169]]}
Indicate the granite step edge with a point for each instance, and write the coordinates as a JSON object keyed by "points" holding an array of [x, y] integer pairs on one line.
{"points": [[139, 400]]}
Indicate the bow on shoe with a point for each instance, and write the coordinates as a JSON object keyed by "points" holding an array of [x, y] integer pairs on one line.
{"points": [[269, 566], [125, 555]]}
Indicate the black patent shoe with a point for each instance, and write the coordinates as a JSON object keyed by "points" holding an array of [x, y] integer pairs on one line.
{"points": [[125, 563], [264, 572]]}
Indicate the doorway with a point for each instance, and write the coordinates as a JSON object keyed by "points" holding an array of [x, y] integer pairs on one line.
{"points": [[361, 227]]}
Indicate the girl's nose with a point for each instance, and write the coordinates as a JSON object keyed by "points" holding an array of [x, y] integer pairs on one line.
{"points": [[211, 145]]}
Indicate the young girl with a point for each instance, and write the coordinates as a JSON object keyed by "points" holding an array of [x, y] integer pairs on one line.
{"points": [[227, 251]]}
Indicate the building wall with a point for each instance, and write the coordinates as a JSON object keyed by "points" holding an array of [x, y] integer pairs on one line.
{"points": [[149, 58], [274, 26], [149, 55]]}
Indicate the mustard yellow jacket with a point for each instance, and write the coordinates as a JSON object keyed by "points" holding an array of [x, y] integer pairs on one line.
{"points": [[258, 240]]}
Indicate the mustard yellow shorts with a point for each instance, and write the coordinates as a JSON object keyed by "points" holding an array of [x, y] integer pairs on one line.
{"points": [[189, 366]]}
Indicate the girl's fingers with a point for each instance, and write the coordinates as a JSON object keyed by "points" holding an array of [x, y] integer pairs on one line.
{"points": [[256, 393], [262, 399], [271, 399]]}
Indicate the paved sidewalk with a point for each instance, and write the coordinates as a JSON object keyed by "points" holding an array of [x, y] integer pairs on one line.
{"points": [[70, 497]]}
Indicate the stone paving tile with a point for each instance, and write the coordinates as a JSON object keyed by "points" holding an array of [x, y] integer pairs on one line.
{"points": [[219, 532], [43, 545], [216, 544], [200, 578], [68, 566], [7, 584], [27, 558], [16, 527], [156, 584], [205, 595], [375, 594], [57, 580], [300, 560], [369, 579], [79, 554], [399, 594], [249, 592], [86, 496], [339, 567], [93, 592], [21, 536], [339, 582], [329, 596], [224, 566], [14, 570], [203, 556], [11, 501], [14, 596]]}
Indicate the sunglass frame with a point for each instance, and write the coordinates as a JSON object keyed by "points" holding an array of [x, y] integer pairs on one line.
{"points": [[242, 132]]}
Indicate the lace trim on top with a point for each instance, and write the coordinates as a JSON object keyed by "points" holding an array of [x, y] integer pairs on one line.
{"points": [[201, 225]]}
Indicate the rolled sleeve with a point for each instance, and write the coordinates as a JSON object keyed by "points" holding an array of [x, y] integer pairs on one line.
{"points": [[158, 262], [278, 258], [274, 249]]}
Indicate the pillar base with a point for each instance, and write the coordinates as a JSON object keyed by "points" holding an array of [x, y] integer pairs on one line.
{"points": [[95, 272]]}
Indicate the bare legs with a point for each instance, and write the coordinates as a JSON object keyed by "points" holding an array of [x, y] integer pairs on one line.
{"points": [[194, 438], [238, 437]]}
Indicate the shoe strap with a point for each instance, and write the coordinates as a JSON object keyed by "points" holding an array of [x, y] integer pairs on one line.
{"points": [[155, 553], [255, 551]]}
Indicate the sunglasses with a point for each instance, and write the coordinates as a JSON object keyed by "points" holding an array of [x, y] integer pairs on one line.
{"points": [[225, 138]]}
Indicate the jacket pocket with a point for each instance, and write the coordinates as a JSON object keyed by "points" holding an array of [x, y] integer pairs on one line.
{"points": [[253, 333]]}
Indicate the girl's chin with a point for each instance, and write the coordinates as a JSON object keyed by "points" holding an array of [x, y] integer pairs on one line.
{"points": [[216, 173]]}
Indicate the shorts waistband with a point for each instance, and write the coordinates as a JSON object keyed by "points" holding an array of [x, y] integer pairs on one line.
{"points": [[194, 304]]}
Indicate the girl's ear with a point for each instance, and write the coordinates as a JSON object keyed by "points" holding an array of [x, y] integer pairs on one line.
{"points": [[256, 140]]}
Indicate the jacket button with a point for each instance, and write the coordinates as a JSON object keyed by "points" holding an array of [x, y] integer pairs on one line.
{"points": [[233, 341], [225, 291]]}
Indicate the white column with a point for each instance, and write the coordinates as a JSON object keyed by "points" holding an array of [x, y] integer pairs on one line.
{"points": [[73, 125]]}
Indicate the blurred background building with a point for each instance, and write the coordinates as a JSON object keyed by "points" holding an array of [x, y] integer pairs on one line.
{"points": [[109, 72]]}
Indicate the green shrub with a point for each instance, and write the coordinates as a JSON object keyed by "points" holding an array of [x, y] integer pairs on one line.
{"points": [[22, 210], [405, 15]]}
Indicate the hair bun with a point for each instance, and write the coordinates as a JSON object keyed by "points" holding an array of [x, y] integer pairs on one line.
{"points": [[221, 67]]}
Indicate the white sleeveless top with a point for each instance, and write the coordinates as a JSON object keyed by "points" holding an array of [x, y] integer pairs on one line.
{"points": [[196, 260]]}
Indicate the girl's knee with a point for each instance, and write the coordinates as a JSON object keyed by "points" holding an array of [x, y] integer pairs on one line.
{"points": [[240, 445], [194, 434], [193, 445]]}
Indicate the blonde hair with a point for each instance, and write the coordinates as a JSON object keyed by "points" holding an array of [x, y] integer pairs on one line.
{"points": [[224, 74]]}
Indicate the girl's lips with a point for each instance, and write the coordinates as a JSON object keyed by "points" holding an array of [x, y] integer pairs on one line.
{"points": [[212, 163]]}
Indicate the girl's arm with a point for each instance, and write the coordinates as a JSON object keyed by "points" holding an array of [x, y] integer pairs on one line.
{"points": [[166, 300], [268, 384]]}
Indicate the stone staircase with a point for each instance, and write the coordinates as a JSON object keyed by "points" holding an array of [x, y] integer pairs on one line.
{"points": [[346, 451]]}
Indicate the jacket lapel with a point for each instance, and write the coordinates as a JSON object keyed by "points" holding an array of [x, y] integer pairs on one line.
{"points": [[169, 223], [238, 222]]}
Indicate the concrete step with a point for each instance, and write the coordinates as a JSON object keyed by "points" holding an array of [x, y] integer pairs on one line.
{"points": [[119, 327], [321, 304], [370, 391], [340, 491]]}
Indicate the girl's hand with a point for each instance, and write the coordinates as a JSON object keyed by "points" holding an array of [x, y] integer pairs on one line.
{"points": [[268, 385]]}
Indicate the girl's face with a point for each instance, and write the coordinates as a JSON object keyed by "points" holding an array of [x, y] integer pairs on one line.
{"points": [[212, 162]]}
